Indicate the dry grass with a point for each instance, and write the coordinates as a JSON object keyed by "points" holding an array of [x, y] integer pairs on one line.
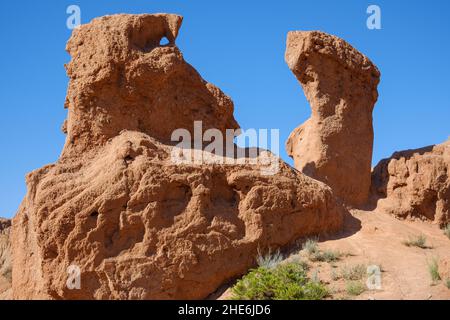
{"points": [[433, 270], [419, 241], [354, 273], [355, 288]]}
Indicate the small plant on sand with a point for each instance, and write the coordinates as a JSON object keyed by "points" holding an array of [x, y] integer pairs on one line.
{"points": [[433, 270], [447, 230], [355, 288], [447, 283], [419, 241], [354, 273], [327, 256], [335, 276], [310, 246], [287, 281], [269, 260], [8, 274]]}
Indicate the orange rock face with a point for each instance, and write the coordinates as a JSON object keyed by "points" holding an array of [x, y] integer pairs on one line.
{"points": [[121, 78], [415, 184], [5, 259], [115, 205], [335, 144]]}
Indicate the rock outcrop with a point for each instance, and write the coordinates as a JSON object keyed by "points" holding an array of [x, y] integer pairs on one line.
{"points": [[335, 144], [121, 78], [137, 224], [5, 259], [415, 184]]}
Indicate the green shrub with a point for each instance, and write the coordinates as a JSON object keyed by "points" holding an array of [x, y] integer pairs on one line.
{"points": [[287, 281], [433, 270], [353, 273], [355, 288], [419, 241], [303, 264]]}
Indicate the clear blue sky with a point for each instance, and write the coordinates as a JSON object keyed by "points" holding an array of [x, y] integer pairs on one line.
{"points": [[239, 46]]}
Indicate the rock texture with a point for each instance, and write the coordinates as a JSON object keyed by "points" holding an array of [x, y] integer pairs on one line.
{"points": [[138, 225], [335, 144], [122, 78], [5, 259], [415, 184]]}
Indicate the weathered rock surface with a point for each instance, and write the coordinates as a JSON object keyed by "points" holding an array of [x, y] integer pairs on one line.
{"points": [[5, 259], [415, 184], [335, 144], [138, 225], [122, 78]]}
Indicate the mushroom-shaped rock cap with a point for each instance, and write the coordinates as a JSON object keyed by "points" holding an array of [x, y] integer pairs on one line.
{"points": [[309, 47]]}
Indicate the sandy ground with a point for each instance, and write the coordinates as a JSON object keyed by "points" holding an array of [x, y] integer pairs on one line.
{"points": [[374, 238], [380, 241]]}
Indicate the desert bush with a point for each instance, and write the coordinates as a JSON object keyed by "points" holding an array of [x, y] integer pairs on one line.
{"points": [[335, 276], [419, 241], [433, 270], [354, 273], [325, 256], [269, 260], [287, 281], [310, 246], [355, 288], [447, 283]]}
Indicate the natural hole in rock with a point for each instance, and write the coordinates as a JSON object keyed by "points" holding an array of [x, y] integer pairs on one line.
{"points": [[128, 159], [164, 41]]}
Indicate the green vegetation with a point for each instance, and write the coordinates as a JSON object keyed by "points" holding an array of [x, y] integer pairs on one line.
{"points": [[316, 255], [286, 281], [419, 241], [355, 288], [433, 269]]}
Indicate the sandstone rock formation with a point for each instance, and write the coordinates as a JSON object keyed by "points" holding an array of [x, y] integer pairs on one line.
{"points": [[122, 78], [5, 259], [138, 225], [415, 184], [335, 144]]}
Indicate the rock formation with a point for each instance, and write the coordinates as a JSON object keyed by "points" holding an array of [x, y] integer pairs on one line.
{"points": [[335, 144], [5, 259], [115, 205], [121, 78], [415, 184]]}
